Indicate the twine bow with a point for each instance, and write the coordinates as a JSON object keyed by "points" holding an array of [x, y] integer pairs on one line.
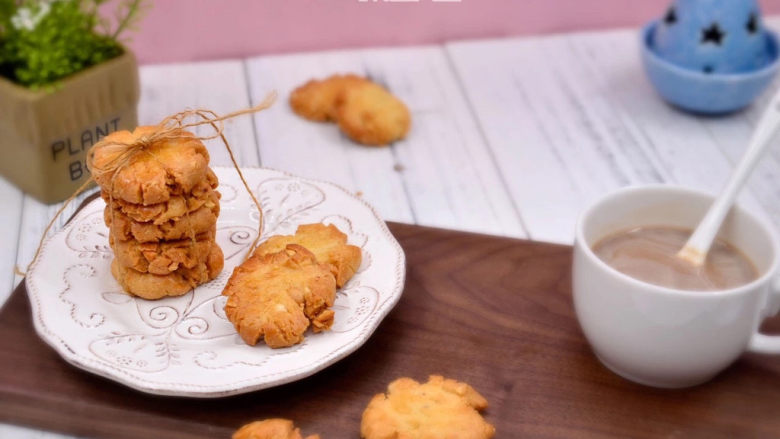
{"points": [[171, 128]]}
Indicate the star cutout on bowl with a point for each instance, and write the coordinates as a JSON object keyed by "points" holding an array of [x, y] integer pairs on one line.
{"points": [[752, 24], [671, 16], [713, 34]]}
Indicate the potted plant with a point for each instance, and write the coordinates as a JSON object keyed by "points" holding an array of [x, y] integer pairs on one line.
{"points": [[66, 81]]}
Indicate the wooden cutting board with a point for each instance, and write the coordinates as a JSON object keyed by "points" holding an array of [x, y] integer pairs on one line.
{"points": [[494, 312]]}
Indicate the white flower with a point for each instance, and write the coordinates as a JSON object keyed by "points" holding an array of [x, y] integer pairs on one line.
{"points": [[25, 19]]}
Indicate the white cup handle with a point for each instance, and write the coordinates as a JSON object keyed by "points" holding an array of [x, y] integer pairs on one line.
{"points": [[768, 344]]}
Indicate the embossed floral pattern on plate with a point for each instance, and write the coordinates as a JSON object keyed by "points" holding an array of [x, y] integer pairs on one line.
{"points": [[185, 346]]}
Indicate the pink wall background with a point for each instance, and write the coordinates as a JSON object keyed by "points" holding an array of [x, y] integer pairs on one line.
{"points": [[189, 30]]}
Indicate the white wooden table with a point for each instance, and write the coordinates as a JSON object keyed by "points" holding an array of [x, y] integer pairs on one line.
{"points": [[510, 137]]}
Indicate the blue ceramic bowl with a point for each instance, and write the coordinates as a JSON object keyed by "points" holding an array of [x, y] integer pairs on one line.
{"points": [[719, 36], [709, 93]]}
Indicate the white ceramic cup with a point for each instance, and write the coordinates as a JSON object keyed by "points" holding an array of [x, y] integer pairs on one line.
{"points": [[661, 336]]}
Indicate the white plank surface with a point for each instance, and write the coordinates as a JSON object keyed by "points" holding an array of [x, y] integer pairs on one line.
{"points": [[571, 117], [16, 432], [440, 175], [730, 134], [510, 137], [11, 200]]}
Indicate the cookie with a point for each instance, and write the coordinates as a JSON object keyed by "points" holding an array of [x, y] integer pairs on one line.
{"points": [[163, 169], [154, 286], [165, 256], [328, 244], [203, 193], [197, 222], [271, 429], [276, 296], [370, 115], [173, 209], [317, 99], [440, 408]]}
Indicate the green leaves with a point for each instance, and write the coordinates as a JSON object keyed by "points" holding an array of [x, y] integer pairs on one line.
{"points": [[44, 41]]}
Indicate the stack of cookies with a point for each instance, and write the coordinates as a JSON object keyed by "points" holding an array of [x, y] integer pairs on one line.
{"points": [[161, 209]]}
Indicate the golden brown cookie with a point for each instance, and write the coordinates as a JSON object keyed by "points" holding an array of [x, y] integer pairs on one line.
{"points": [[327, 243], [317, 99], [277, 295], [163, 257], [197, 222], [440, 408], [163, 169], [203, 194], [154, 286], [370, 115], [173, 209], [271, 429]]}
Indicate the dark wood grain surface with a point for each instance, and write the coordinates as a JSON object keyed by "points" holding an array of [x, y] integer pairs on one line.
{"points": [[491, 311]]}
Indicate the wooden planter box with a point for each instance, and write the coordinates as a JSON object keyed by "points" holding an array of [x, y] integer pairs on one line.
{"points": [[45, 135]]}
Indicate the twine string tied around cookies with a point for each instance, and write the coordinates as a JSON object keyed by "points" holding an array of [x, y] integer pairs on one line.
{"points": [[171, 128]]}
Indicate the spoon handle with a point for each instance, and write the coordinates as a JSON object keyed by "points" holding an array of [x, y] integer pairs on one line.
{"points": [[695, 250]]}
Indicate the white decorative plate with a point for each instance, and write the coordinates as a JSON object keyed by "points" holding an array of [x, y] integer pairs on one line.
{"points": [[185, 346]]}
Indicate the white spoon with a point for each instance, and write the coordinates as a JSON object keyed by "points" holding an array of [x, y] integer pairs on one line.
{"points": [[695, 250]]}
